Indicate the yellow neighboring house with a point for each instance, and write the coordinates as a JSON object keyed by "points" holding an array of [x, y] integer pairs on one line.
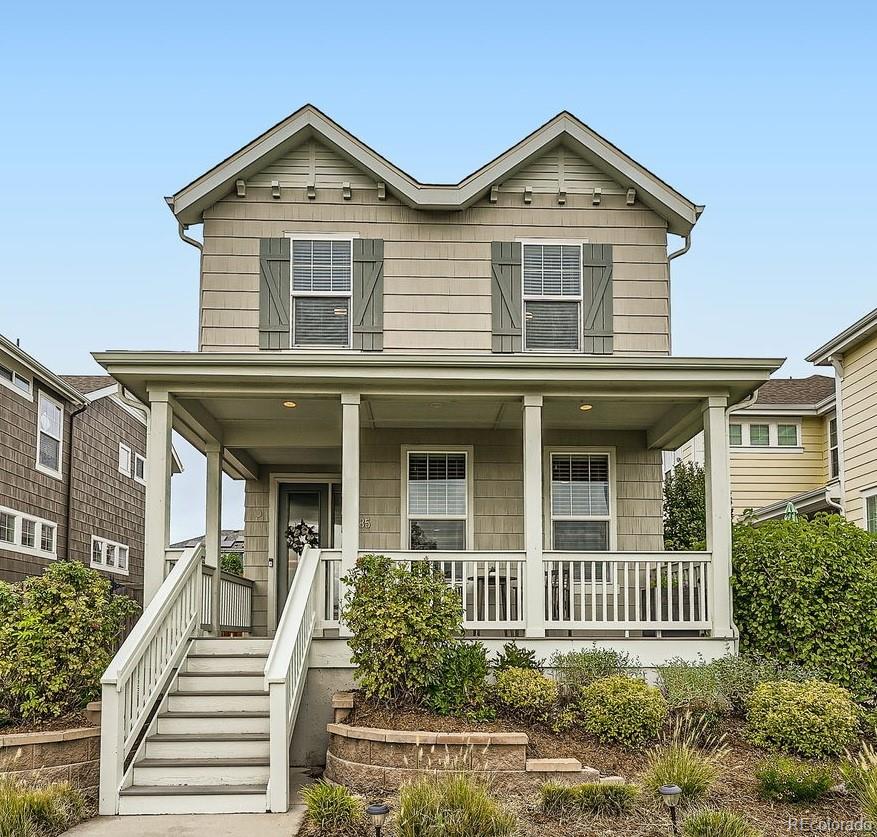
{"points": [[783, 446], [853, 354]]}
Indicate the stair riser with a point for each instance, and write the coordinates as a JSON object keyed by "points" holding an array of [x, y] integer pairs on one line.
{"points": [[231, 646], [225, 775], [233, 665], [206, 749], [229, 683], [217, 703], [230, 803], [211, 724]]}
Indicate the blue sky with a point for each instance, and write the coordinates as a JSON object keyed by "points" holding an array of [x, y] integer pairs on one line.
{"points": [[765, 112]]}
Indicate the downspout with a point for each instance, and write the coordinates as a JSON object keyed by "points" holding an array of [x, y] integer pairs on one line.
{"points": [[686, 246], [68, 511], [837, 362], [199, 246]]}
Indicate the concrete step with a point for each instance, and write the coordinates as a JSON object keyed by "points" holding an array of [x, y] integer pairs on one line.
{"points": [[213, 746], [225, 645], [218, 702], [234, 663], [209, 723], [192, 771], [194, 799], [219, 681]]}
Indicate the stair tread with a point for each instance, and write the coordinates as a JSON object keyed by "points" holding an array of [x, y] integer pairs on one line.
{"points": [[239, 655], [191, 790], [221, 674], [209, 736], [224, 693], [177, 713], [202, 762]]}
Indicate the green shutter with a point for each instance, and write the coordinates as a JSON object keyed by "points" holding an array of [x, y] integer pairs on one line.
{"points": [[368, 294], [597, 298], [274, 293], [505, 292]]}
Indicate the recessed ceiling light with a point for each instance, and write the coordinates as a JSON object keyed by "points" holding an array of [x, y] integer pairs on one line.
{"points": [[585, 407], [290, 404]]}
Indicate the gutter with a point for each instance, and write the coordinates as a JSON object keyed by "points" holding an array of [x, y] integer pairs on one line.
{"points": [[68, 500]]}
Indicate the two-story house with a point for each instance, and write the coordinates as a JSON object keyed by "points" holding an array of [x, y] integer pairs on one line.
{"points": [[784, 448], [72, 472], [475, 374]]}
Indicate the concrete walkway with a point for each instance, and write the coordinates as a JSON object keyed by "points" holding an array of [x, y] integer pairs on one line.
{"points": [[193, 825]]}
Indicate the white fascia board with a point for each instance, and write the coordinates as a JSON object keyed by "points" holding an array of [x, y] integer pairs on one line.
{"points": [[846, 340], [59, 385]]}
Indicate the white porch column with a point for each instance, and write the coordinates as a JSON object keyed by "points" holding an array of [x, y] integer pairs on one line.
{"points": [[718, 512], [157, 526], [534, 595], [213, 528], [349, 480]]}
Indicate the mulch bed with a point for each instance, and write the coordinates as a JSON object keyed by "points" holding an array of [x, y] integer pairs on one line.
{"points": [[736, 787], [73, 720]]}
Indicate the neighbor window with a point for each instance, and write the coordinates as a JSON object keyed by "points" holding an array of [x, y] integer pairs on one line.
{"points": [[552, 297], [124, 460], [787, 435], [47, 538], [833, 450], [759, 435], [437, 502], [871, 513], [140, 468], [580, 505], [26, 534], [7, 527], [109, 555], [735, 434], [49, 435], [12, 380], [322, 279]]}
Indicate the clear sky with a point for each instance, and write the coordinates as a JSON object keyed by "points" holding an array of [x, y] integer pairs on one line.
{"points": [[765, 112]]}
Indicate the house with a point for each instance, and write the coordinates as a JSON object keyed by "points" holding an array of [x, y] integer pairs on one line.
{"points": [[476, 374], [72, 472], [852, 353], [231, 540], [784, 447]]}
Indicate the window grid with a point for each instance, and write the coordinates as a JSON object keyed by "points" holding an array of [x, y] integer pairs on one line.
{"points": [[437, 499], [50, 423], [833, 449], [552, 297], [787, 435], [871, 513], [759, 435], [26, 534], [580, 501], [12, 380], [321, 287], [109, 555], [735, 435], [47, 537]]}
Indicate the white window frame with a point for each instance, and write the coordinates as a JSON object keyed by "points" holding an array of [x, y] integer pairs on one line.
{"points": [[867, 494], [773, 435], [836, 447], [40, 467], [548, 516], [35, 550], [579, 299], [123, 448], [101, 565], [139, 458], [348, 295], [27, 394], [469, 517]]}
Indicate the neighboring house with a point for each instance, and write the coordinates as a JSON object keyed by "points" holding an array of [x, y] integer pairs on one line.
{"points": [[72, 472], [475, 373], [853, 354], [231, 540], [783, 448]]}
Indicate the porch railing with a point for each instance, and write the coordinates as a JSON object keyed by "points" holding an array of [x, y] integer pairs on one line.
{"points": [[589, 591]]}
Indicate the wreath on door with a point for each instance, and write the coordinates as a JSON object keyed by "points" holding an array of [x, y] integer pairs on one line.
{"points": [[300, 536]]}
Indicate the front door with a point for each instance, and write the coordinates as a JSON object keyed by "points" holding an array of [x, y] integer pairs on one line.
{"points": [[306, 503]]}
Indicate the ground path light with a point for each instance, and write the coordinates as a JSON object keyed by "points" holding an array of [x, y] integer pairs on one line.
{"points": [[670, 794], [378, 813]]}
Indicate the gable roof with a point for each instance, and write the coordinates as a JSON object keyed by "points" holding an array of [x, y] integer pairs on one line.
{"points": [[57, 382], [88, 383], [230, 540], [807, 391], [849, 338], [189, 202]]}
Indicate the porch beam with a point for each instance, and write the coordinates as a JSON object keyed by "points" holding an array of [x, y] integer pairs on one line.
{"points": [[349, 482], [244, 466], [213, 528], [157, 523], [534, 591], [680, 422], [718, 513]]}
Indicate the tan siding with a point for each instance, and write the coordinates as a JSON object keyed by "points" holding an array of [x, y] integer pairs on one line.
{"points": [[859, 394], [437, 264]]}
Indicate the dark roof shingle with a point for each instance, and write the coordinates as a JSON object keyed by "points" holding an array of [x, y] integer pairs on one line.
{"points": [[88, 383], [810, 390]]}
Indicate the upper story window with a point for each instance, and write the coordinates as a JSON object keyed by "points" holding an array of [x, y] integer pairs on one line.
{"points": [[438, 499], [833, 450], [50, 424], [140, 468], [552, 295], [17, 383], [322, 279], [124, 460], [759, 434]]}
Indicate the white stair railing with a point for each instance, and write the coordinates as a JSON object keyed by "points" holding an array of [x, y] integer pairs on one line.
{"points": [[286, 672], [138, 674]]}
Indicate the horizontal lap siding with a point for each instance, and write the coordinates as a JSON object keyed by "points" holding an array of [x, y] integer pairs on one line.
{"points": [[859, 392]]}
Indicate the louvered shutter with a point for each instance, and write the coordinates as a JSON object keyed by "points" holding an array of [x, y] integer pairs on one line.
{"points": [[506, 295], [368, 294], [597, 298], [274, 293]]}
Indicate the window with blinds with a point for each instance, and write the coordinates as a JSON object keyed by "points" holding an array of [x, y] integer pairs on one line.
{"points": [[322, 280], [437, 500], [580, 505], [552, 294]]}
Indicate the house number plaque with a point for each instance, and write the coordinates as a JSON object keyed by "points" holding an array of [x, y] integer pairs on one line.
{"points": [[365, 523]]}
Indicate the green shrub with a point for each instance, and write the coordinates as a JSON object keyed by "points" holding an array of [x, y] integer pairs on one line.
{"points": [[332, 809], [459, 685], [402, 619], [806, 592], [38, 812], [717, 824], [737, 676], [859, 774], [513, 656], [589, 797], [451, 805], [785, 779], [525, 694], [232, 563], [58, 631], [812, 719], [685, 508], [681, 764], [622, 709], [575, 670]]}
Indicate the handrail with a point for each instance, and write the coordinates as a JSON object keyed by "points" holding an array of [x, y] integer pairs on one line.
{"points": [[139, 671], [286, 672]]}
